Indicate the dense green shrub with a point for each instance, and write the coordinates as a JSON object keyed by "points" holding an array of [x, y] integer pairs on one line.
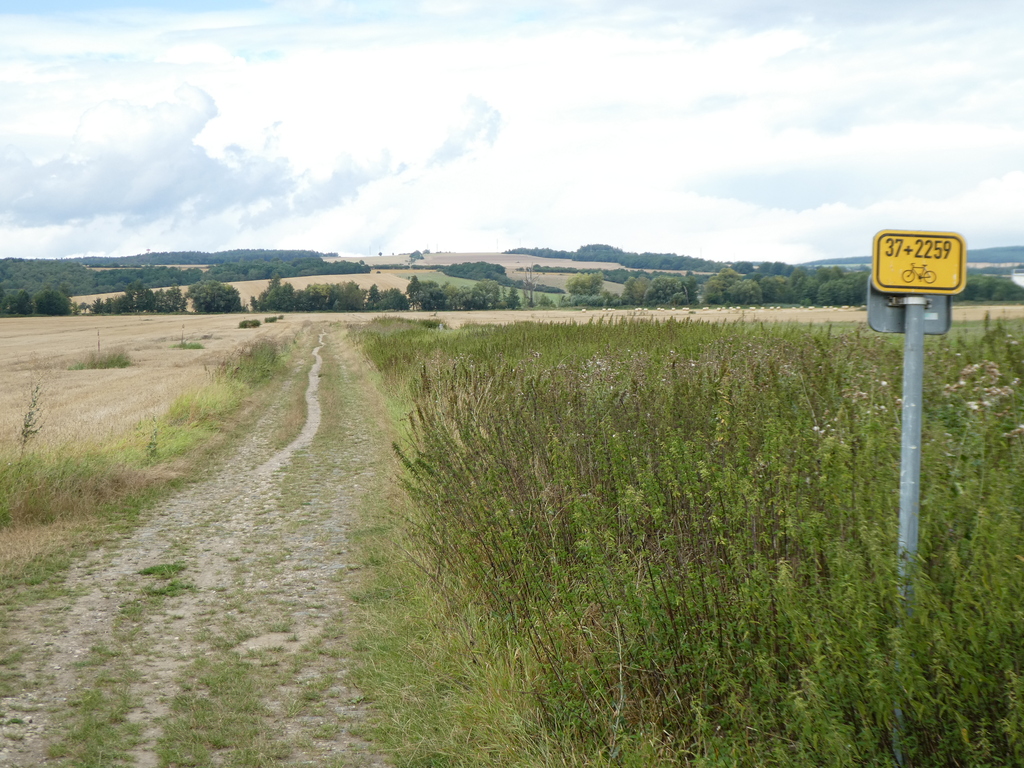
{"points": [[692, 528], [51, 302], [211, 296]]}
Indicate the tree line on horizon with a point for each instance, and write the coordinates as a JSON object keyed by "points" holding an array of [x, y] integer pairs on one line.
{"points": [[824, 286], [601, 252], [156, 258], [77, 279]]}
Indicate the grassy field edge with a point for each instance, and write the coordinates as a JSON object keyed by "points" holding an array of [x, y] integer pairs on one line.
{"points": [[444, 690]]}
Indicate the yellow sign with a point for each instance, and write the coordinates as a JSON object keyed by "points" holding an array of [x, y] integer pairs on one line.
{"points": [[919, 262]]}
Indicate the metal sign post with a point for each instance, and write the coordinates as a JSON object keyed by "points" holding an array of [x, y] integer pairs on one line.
{"points": [[913, 276], [910, 452]]}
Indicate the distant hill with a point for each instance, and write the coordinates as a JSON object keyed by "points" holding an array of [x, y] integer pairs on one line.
{"points": [[1002, 255], [846, 261], [1006, 254], [154, 270], [629, 260], [199, 257]]}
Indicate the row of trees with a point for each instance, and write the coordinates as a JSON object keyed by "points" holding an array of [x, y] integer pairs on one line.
{"points": [[586, 289], [138, 298], [337, 297], [207, 297], [431, 296], [48, 301], [825, 286]]}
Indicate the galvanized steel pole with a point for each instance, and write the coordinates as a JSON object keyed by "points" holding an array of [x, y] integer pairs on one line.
{"points": [[910, 455], [910, 467]]}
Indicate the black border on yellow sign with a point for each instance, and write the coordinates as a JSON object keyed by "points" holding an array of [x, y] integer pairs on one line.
{"points": [[876, 256]]}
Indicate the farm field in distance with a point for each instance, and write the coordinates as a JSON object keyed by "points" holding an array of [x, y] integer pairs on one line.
{"points": [[95, 405]]}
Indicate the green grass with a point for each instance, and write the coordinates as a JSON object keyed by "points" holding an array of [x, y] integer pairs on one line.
{"points": [[221, 708], [678, 540], [187, 345], [49, 485], [102, 736], [438, 277], [163, 570], [97, 360], [171, 588]]}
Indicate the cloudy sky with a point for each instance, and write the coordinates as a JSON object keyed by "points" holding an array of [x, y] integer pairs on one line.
{"points": [[739, 129]]}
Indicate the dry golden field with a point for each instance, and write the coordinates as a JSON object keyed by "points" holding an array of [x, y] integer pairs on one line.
{"points": [[94, 405]]}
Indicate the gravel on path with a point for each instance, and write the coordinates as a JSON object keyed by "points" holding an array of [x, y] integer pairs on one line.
{"points": [[262, 545]]}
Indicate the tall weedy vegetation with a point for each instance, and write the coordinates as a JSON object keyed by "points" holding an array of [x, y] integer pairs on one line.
{"points": [[688, 533], [30, 422]]}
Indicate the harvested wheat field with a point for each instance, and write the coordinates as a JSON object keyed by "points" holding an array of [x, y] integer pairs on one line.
{"points": [[94, 405]]}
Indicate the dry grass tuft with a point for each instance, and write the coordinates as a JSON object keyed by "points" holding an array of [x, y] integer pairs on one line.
{"points": [[42, 489], [21, 545]]}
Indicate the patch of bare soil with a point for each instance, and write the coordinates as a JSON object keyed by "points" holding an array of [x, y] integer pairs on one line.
{"points": [[262, 580]]}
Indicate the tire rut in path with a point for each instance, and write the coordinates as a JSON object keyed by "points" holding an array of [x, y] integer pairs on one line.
{"points": [[264, 542]]}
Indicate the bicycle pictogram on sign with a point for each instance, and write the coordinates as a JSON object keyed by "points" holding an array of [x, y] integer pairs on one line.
{"points": [[918, 273]]}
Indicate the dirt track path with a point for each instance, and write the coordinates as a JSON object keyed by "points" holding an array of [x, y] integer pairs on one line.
{"points": [[234, 652]]}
